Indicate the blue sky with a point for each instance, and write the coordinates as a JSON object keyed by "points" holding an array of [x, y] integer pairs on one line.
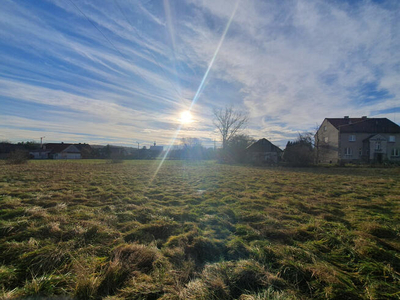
{"points": [[121, 71]]}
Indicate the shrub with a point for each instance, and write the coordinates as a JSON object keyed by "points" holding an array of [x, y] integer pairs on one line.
{"points": [[300, 152], [18, 157]]}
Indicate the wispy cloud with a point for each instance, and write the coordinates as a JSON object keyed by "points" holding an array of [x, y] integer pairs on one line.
{"points": [[289, 63]]}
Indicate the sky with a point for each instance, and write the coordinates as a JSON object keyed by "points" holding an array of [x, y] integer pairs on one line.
{"points": [[122, 71]]}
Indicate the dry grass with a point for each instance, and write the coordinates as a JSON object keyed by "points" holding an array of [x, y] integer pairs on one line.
{"points": [[91, 230]]}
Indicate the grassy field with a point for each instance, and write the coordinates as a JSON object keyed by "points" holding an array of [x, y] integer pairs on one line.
{"points": [[93, 229]]}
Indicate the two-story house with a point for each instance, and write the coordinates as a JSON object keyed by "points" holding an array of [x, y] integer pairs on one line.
{"points": [[357, 139]]}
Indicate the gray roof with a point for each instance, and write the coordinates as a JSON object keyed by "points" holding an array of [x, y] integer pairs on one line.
{"points": [[263, 145], [364, 125]]}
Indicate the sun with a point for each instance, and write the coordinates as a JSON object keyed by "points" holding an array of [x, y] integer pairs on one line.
{"points": [[186, 117]]}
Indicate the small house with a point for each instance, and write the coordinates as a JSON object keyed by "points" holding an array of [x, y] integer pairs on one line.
{"points": [[39, 154], [62, 151], [263, 152]]}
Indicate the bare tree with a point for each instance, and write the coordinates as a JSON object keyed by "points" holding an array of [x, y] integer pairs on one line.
{"points": [[190, 142], [229, 122]]}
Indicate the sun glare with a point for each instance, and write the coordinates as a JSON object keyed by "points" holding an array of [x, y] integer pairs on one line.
{"points": [[186, 117]]}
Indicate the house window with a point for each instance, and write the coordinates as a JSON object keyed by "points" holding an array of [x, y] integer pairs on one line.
{"points": [[324, 128], [392, 139], [326, 139], [378, 146], [352, 138], [395, 152], [348, 151]]}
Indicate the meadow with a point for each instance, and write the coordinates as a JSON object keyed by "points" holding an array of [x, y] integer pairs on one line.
{"points": [[198, 230]]}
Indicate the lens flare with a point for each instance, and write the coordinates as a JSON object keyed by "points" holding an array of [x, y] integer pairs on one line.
{"points": [[200, 88], [186, 117]]}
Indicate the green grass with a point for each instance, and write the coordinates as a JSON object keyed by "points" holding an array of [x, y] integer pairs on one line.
{"points": [[201, 230]]}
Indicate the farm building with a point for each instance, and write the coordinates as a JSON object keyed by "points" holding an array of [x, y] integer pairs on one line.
{"points": [[56, 151], [156, 148], [263, 152], [39, 154]]}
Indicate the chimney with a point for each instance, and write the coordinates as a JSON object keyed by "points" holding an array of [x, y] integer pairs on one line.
{"points": [[364, 117]]}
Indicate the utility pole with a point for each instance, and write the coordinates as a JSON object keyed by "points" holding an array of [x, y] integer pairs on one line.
{"points": [[137, 145], [41, 141]]}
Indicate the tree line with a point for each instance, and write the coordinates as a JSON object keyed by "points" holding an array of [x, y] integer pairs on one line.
{"points": [[229, 122]]}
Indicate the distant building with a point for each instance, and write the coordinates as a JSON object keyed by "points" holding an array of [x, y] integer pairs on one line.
{"points": [[357, 139], [156, 148], [263, 152], [39, 154], [56, 151]]}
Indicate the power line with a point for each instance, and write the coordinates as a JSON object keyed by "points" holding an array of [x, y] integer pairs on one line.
{"points": [[98, 29]]}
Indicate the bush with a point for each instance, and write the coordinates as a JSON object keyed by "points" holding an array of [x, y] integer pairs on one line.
{"points": [[18, 157], [300, 152], [116, 158]]}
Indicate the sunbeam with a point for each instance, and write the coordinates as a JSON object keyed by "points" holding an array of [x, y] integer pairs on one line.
{"points": [[171, 31], [171, 143], [196, 96]]}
